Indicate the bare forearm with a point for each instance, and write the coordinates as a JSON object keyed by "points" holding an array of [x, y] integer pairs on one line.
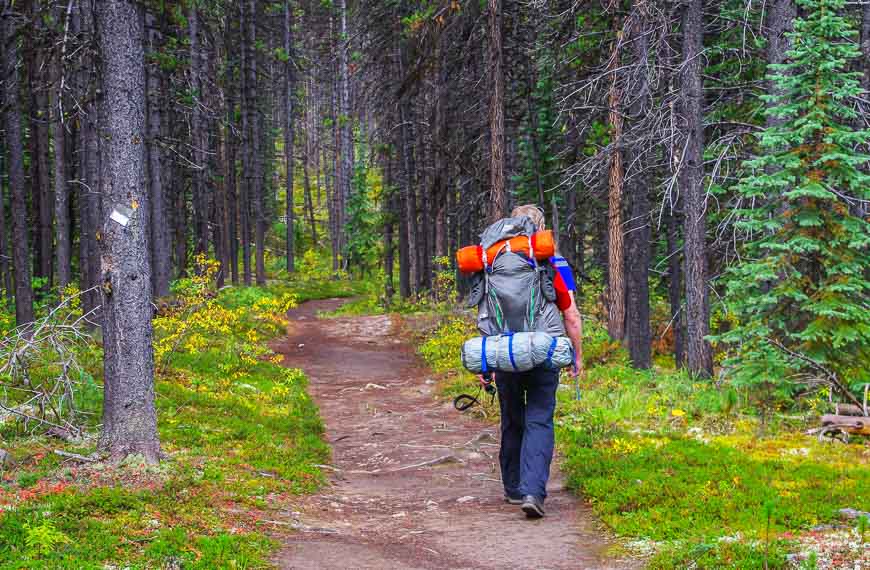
{"points": [[574, 330]]}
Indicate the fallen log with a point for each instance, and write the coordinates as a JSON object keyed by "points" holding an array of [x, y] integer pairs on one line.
{"points": [[848, 410], [852, 424]]}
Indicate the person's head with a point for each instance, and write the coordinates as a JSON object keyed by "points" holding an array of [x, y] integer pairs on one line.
{"points": [[533, 212]]}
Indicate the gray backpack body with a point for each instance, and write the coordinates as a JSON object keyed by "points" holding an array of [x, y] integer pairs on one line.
{"points": [[514, 293]]}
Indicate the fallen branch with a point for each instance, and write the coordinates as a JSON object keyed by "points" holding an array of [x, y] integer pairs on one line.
{"points": [[831, 376], [75, 456]]}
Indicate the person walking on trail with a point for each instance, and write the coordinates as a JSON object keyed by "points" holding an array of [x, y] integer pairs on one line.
{"points": [[528, 399]]}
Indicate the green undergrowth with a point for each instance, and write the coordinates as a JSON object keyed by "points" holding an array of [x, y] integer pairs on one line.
{"points": [[684, 470], [240, 434]]}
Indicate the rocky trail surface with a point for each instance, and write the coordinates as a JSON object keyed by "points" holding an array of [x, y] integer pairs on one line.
{"points": [[414, 483]]}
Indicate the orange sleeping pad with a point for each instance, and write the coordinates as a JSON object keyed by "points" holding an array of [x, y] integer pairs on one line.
{"points": [[470, 258]]}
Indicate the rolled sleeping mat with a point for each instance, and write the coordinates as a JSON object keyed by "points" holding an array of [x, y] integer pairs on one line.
{"points": [[469, 259], [516, 352]]}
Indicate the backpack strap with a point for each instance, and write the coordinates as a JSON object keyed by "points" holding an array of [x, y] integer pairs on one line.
{"points": [[551, 351], [483, 369], [510, 336]]}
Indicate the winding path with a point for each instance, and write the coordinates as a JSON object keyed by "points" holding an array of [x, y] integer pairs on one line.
{"points": [[414, 484]]}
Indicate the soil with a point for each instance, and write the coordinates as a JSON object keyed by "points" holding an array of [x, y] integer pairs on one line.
{"points": [[414, 483]]}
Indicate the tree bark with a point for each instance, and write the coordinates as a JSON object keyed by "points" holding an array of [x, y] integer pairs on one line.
{"points": [[346, 123], [254, 122], [63, 238], [306, 184], [637, 240], [389, 221], [780, 16], [43, 195], [700, 360], [289, 138], [12, 120], [198, 139], [161, 256], [675, 284], [5, 258], [231, 187], [401, 212], [615, 254], [496, 112], [247, 165], [129, 416], [410, 190]]}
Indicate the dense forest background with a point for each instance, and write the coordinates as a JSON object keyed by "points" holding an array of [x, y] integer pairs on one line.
{"points": [[177, 177], [705, 161]]}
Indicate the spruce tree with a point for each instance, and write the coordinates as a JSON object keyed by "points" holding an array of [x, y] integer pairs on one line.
{"points": [[800, 295]]}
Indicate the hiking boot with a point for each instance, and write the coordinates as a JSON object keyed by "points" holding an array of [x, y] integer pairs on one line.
{"points": [[513, 500], [533, 507]]}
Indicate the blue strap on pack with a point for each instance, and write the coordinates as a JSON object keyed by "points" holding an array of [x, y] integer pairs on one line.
{"points": [[563, 268], [551, 351], [483, 356], [510, 336]]}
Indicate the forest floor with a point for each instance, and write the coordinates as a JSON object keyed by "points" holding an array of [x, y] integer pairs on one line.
{"points": [[414, 483]]}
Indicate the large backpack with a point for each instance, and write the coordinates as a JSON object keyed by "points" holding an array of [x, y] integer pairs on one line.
{"points": [[514, 292]]}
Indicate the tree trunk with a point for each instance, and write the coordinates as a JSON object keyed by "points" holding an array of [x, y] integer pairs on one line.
{"points": [[700, 359], [615, 254], [198, 140], [402, 214], [256, 174], [637, 246], [346, 123], [247, 166], [161, 257], [129, 416], [5, 258], [290, 94], [496, 112], [442, 165], [232, 196], [389, 220], [337, 182], [423, 241], [88, 189], [63, 238], [12, 120], [780, 16], [410, 198], [43, 195], [675, 285], [306, 184]]}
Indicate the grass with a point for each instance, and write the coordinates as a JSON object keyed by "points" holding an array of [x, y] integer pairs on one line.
{"points": [[240, 434], [685, 471]]}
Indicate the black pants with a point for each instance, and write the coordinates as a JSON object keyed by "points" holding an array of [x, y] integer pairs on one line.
{"points": [[527, 401]]}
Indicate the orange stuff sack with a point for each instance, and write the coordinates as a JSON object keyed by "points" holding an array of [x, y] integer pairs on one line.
{"points": [[470, 258]]}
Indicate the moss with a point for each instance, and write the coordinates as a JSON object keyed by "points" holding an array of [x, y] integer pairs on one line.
{"points": [[240, 432]]}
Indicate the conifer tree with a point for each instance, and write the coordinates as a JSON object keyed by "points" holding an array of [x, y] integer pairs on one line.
{"points": [[801, 295]]}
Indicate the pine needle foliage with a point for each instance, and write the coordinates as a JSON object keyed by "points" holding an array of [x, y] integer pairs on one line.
{"points": [[800, 295]]}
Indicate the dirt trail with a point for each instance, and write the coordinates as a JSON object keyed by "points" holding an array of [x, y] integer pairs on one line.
{"points": [[380, 511]]}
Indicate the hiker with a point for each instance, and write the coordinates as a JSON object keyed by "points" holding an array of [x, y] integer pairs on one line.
{"points": [[528, 399]]}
